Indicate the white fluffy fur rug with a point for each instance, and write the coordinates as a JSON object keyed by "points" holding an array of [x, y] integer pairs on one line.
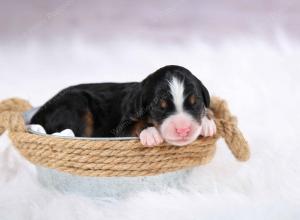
{"points": [[259, 79]]}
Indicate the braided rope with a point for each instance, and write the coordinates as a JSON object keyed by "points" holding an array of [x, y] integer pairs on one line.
{"points": [[117, 158]]}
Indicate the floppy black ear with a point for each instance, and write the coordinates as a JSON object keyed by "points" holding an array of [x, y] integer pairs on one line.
{"points": [[205, 94]]}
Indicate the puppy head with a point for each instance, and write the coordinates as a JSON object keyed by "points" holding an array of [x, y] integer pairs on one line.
{"points": [[174, 100]]}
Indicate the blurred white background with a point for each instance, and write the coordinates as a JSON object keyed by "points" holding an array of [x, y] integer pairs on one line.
{"points": [[247, 52]]}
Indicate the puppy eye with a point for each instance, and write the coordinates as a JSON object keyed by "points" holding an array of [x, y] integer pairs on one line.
{"points": [[163, 104], [192, 99]]}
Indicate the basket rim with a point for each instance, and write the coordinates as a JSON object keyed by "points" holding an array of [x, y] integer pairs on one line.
{"points": [[29, 130], [117, 156], [201, 141]]}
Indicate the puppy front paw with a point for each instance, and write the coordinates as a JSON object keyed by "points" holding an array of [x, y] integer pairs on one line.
{"points": [[151, 137], [208, 127]]}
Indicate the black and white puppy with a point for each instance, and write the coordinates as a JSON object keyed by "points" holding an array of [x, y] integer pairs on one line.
{"points": [[170, 105]]}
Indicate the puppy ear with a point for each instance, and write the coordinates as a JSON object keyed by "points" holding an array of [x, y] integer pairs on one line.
{"points": [[206, 96], [204, 93]]}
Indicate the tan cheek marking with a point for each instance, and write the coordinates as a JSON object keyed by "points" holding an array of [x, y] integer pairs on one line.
{"points": [[141, 125], [154, 123], [137, 128], [89, 124]]}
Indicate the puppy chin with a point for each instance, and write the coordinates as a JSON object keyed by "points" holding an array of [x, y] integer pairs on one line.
{"points": [[183, 141]]}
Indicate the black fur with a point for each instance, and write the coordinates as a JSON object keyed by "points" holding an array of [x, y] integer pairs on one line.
{"points": [[118, 107]]}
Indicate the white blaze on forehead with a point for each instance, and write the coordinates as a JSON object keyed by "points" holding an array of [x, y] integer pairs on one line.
{"points": [[177, 92]]}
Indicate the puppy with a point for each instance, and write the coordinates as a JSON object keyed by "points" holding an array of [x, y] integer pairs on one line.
{"points": [[170, 105]]}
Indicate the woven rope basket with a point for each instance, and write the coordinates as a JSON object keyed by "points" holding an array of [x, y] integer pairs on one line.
{"points": [[109, 158]]}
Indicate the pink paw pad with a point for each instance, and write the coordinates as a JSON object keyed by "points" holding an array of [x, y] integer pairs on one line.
{"points": [[208, 127], [150, 137]]}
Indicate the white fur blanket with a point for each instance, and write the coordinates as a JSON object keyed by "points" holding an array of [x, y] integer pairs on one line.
{"points": [[259, 79]]}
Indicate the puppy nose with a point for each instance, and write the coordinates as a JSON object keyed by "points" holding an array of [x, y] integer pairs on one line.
{"points": [[183, 132]]}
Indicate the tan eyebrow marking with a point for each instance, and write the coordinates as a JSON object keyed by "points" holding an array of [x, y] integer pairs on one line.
{"points": [[163, 104], [192, 99]]}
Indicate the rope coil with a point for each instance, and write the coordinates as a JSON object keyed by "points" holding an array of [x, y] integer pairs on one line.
{"points": [[118, 158]]}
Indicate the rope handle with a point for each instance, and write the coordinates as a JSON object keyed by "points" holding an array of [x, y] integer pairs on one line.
{"points": [[11, 114], [11, 118], [228, 129]]}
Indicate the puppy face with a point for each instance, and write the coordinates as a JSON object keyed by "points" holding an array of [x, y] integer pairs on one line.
{"points": [[175, 102]]}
